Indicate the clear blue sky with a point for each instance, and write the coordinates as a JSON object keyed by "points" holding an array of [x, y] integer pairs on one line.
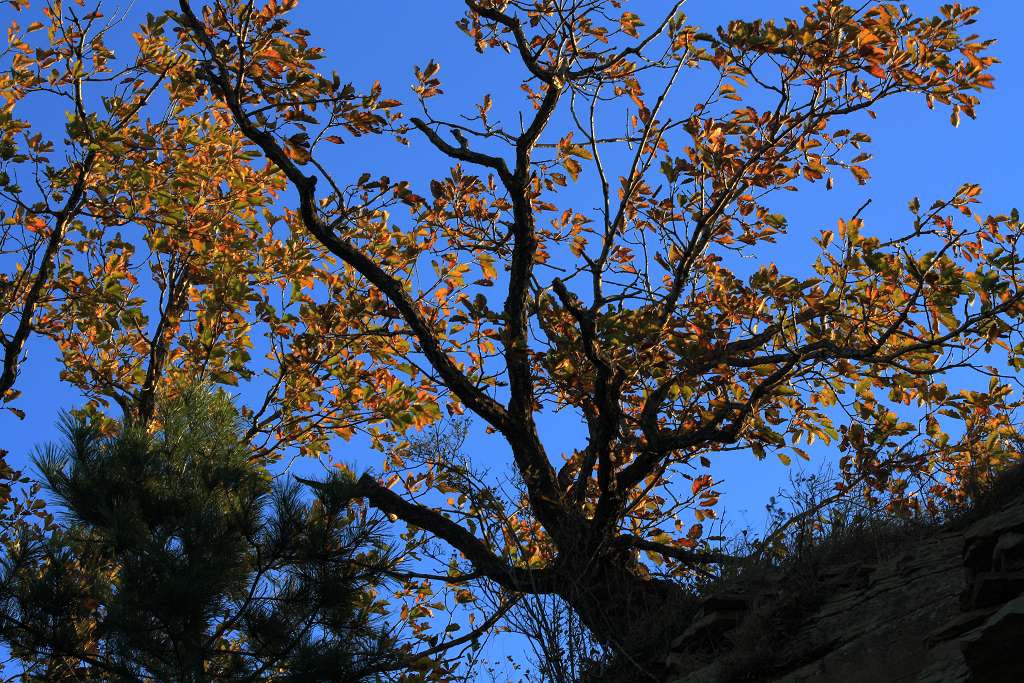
{"points": [[916, 152]]}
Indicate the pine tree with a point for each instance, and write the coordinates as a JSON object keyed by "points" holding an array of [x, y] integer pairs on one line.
{"points": [[179, 559]]}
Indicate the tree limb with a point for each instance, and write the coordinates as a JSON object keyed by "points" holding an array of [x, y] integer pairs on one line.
{"points": [[476, 551]]}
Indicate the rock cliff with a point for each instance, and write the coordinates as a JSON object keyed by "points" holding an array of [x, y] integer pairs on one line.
{"points": [[950, 608]]}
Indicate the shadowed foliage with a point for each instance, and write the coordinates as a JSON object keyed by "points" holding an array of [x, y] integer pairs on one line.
{"points": [[179, 560]]}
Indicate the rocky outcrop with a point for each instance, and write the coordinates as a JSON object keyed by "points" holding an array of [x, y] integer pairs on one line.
{"points": [[950, 609], [982, 642]]}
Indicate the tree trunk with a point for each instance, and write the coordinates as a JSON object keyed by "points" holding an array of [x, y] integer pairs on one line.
{"points": [[637, 617]]}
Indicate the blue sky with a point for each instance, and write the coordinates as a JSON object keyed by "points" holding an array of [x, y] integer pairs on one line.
{"points": [[916, 153]]}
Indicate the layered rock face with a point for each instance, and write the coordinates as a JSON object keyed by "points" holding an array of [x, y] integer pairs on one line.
{"points": [[949, 609]]}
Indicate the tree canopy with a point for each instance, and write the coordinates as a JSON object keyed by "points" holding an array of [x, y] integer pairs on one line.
{"points": [[580, 249]]}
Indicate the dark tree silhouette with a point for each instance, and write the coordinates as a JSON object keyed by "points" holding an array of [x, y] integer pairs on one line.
{"points": [[179, 560]]}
